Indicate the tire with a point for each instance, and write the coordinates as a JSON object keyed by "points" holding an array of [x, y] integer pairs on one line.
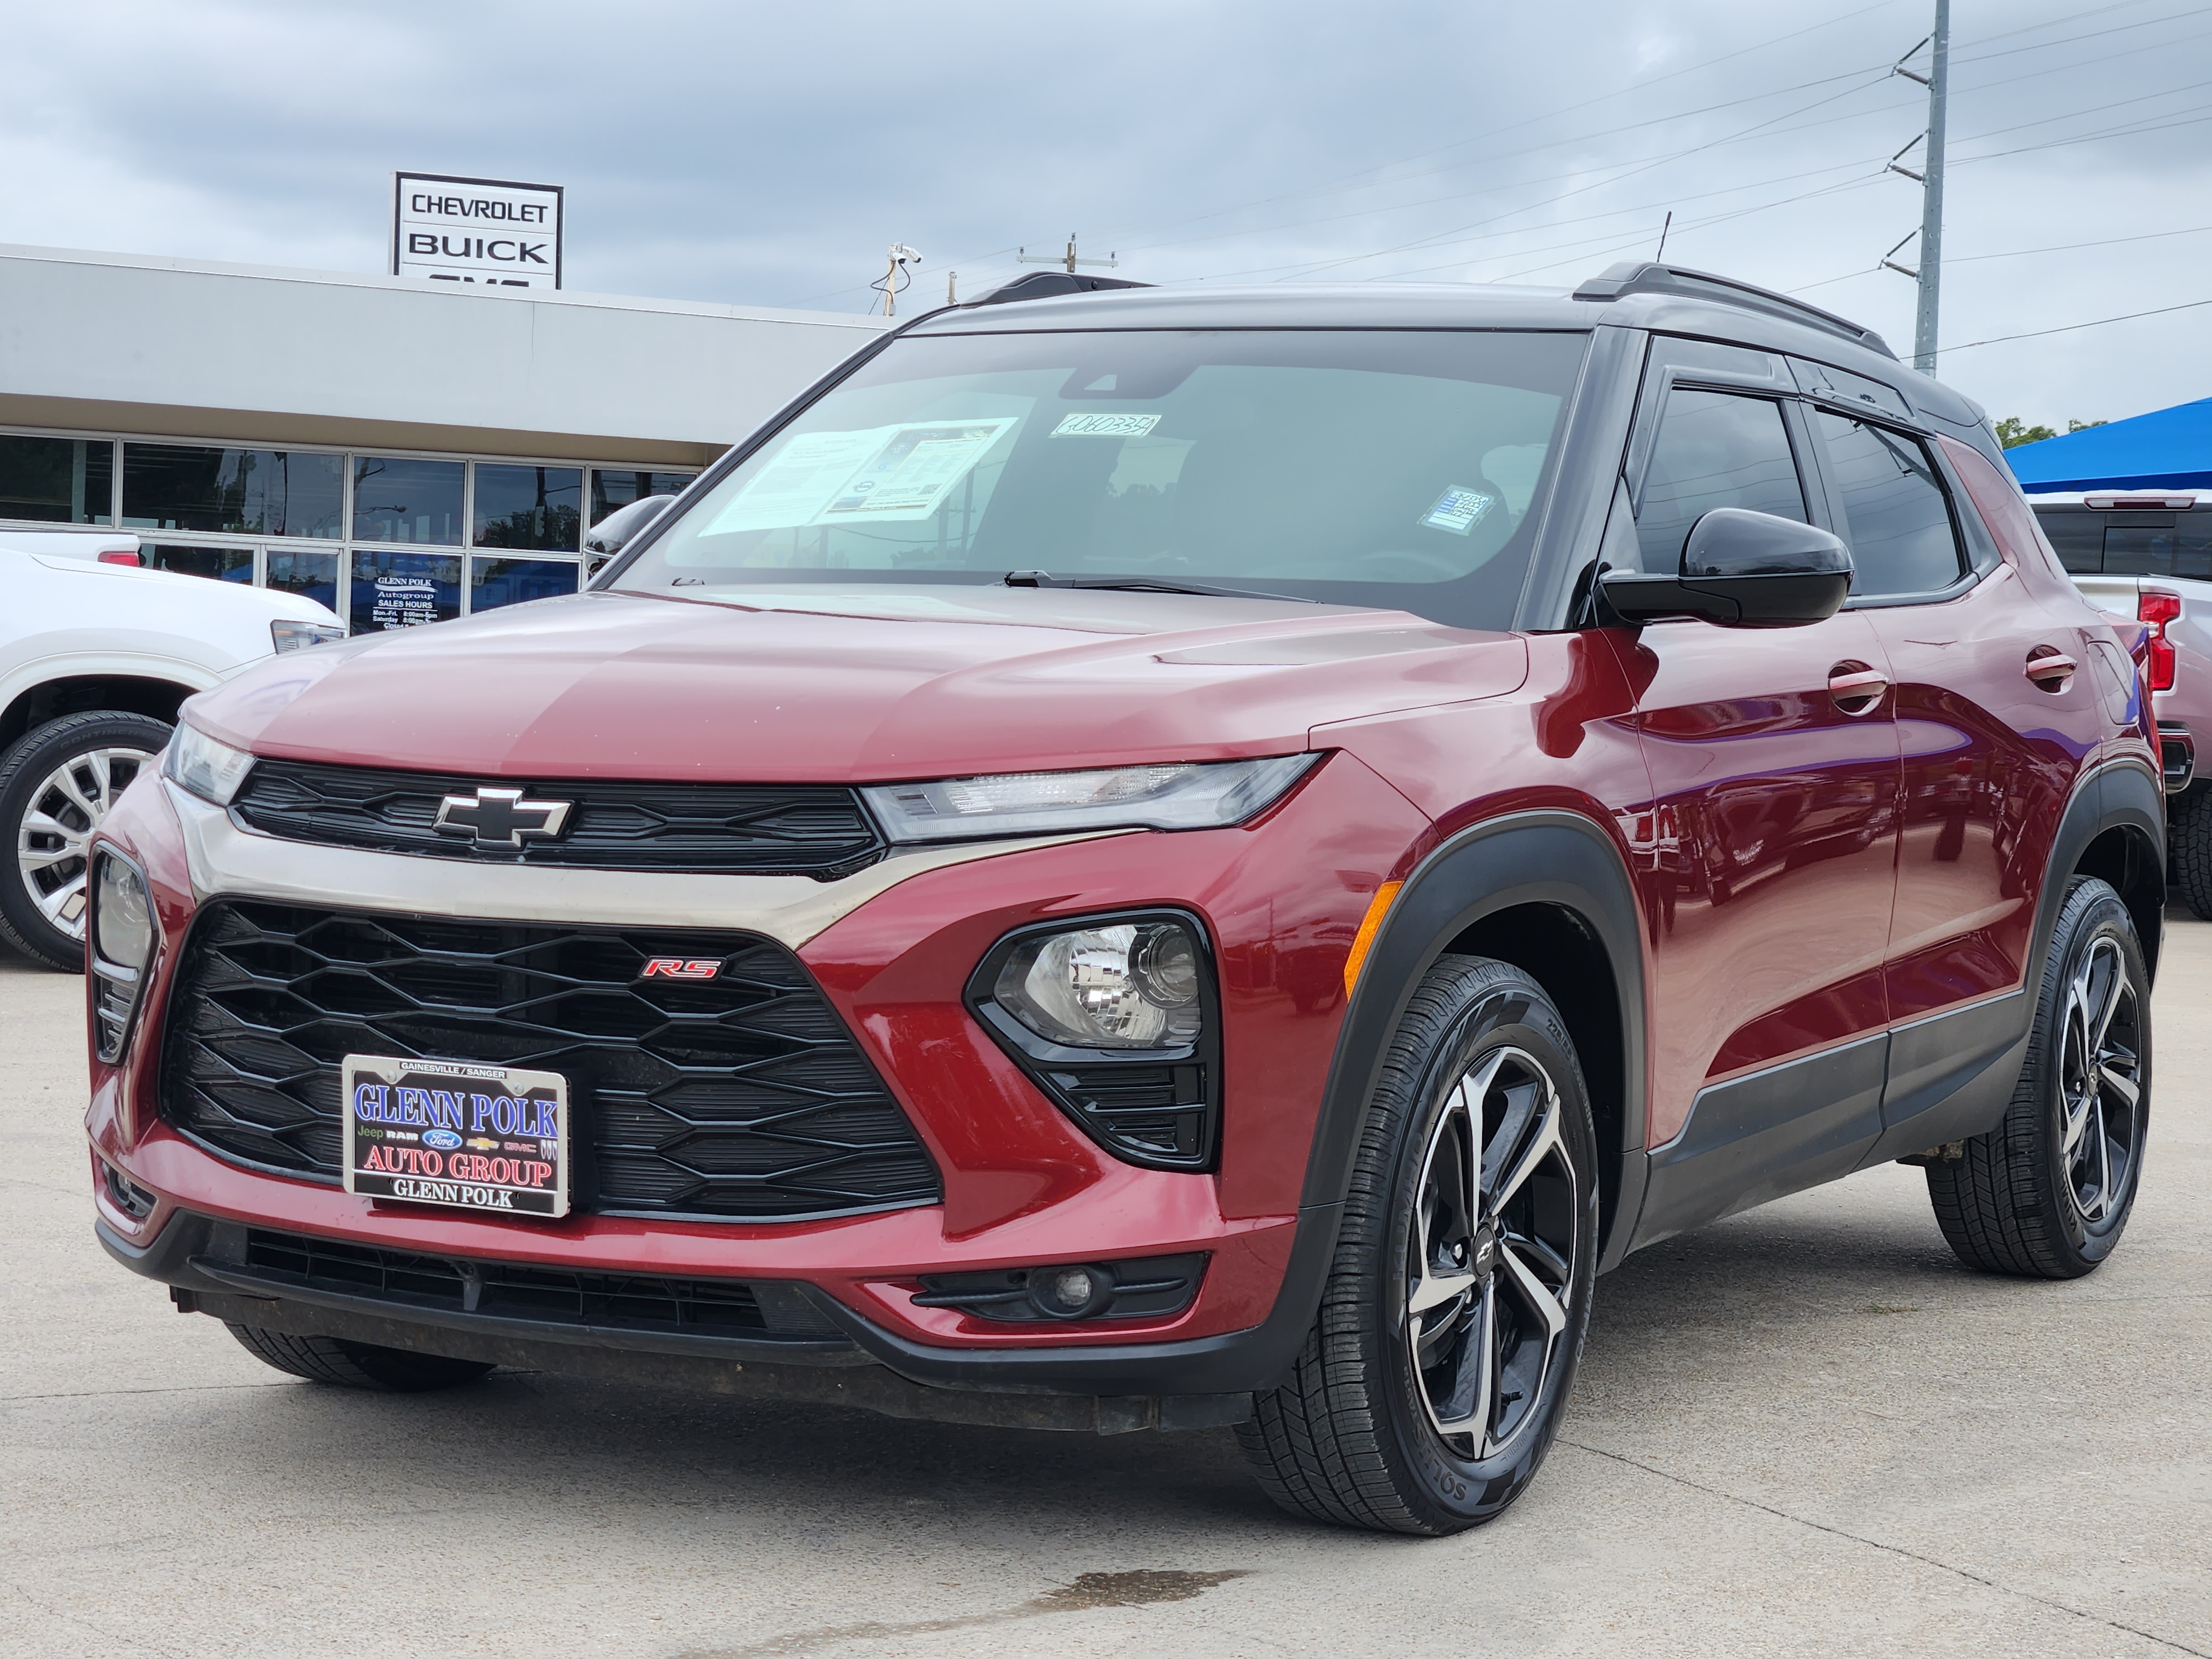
{"points": [[2025, 1199], [1363, 1434], [56, 784], [2188, 838], [356, 1364]]}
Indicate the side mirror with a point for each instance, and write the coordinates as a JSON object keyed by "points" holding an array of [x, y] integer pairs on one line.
{"points": [[618, 529], [1741, 569]]}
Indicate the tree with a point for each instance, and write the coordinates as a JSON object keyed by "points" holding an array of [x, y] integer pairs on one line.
{"points": [[2012, 433], [2083, 426]]}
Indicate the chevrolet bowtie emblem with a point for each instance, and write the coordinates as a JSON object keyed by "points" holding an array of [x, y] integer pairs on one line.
{"points": [[500, 818]]}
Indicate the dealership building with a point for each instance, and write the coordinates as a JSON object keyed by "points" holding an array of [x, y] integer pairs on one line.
{"points": [[404, 450]]}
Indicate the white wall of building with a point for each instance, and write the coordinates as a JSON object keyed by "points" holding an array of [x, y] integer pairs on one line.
{"points": [[108, 341]]}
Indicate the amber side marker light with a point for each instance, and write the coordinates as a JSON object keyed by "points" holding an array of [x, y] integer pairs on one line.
{"points": [[1370, 925]]}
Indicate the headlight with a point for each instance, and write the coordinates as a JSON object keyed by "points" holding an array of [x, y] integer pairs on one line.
{"points": [[1183, 795], [210, 769], [299, 635], [1123, 987], [1117, 1020], [123, 936]]}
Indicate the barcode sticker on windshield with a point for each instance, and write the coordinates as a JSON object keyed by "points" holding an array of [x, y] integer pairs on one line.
{"points": [[1105, 426], [1459, 509]]}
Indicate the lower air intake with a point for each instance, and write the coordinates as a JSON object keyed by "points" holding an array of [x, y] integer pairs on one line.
{"points": [[740, 1097]]}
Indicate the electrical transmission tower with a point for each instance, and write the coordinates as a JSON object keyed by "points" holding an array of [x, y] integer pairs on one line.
{"points": [[1929, 274]]}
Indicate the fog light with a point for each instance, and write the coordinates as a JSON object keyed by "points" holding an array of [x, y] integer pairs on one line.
{"points": [[123, 919], [122, 937], [1071, 1292], [1126, 986], [1149, 1287]]}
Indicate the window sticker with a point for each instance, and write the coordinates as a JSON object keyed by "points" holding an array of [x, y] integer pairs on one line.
{"points": [[871, 475], [1459, 509], [914, 471], [1105, 426]]}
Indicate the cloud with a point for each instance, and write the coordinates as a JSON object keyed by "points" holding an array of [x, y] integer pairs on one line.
{"points": [[767, 154]]}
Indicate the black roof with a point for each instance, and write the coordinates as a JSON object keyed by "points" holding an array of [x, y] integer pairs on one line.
{"points": [[1664, 298]]}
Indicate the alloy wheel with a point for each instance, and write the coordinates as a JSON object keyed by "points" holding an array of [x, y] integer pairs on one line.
{"points": [[2101, 1091], [56, 830], [1490, 1259]]}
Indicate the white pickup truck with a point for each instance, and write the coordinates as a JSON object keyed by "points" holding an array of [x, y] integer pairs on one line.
{"points": [[2148, 554], [94, 657]]}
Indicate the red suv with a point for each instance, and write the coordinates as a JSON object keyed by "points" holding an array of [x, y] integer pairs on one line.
{"points": [[1163, 859]]}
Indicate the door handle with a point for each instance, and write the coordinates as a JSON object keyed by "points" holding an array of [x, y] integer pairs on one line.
{"points": [[1856, 688], [2050, 669]]}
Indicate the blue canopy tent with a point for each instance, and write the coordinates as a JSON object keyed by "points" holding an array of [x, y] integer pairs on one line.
{"points": [[2166, 449]]}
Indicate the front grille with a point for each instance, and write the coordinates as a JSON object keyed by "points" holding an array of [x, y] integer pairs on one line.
{"points": [[726, 829], [564, 1296], [740, 1097]]}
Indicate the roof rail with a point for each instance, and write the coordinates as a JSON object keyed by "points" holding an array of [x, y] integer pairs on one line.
{"points": [[1642, 277], [1048, 284]]}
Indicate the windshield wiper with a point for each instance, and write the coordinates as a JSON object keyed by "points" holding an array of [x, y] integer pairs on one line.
{"points": [[1144, 584]]}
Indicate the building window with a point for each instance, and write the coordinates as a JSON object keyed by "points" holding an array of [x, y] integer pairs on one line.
{"points": [[404, 590], [612, 489], [239, 492], [229, 564], [495, 582], [528, 506], [399, 499], [312, 575], [57, 480]]}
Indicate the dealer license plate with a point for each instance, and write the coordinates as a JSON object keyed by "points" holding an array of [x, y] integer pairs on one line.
{"points": [[490, 1139]]}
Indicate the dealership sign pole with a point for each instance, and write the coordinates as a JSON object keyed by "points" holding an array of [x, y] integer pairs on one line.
{"points": [[495, 232]]}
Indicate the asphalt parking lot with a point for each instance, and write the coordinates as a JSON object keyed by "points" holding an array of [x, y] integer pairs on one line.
{"points": [[1804, 1429]]}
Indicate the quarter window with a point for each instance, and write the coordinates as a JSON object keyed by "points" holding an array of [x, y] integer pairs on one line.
{"points": [[1714, 449], [1892, 509]]}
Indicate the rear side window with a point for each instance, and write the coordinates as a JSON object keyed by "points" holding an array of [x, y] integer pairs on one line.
{"points": [[1714, 449], [2091, 543], [1893, 513], [2158, 545]]}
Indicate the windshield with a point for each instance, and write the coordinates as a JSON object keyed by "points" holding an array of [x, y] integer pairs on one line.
{"points": [[1369, 467]]}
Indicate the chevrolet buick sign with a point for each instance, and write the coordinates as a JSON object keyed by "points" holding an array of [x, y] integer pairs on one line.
{"points": [[493, 232]]}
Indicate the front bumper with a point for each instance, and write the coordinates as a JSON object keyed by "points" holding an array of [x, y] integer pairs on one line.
{"points": [[809, 1346], [1022, 1186]]}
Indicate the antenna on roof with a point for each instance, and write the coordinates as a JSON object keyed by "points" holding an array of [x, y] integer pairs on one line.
{"points": [[1663, 230]]}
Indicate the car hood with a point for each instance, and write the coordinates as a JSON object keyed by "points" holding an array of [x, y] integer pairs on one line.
{"points": [[851, 683]]}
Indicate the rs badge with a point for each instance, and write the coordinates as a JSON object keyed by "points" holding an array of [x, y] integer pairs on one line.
{"points": [[681, 968]]}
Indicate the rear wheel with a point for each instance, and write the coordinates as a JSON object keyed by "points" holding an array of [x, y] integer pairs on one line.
{"points": [[2189, 833], [356, 1364], [1428, 1392], [57, 785], [2048, 1191]]}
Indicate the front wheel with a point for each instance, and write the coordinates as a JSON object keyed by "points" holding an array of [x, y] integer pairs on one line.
{"points": [[57, 785], [356, 1364], [1428, 1390]]}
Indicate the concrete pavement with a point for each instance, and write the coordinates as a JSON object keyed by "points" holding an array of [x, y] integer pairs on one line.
{"points": [[1805, 1430]]}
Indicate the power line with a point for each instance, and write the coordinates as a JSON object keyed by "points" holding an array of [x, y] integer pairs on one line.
{"points": [[2069, 328], [2014, 254]]}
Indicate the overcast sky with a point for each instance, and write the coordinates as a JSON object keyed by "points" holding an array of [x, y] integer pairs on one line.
{"points": [[766, 154]]}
